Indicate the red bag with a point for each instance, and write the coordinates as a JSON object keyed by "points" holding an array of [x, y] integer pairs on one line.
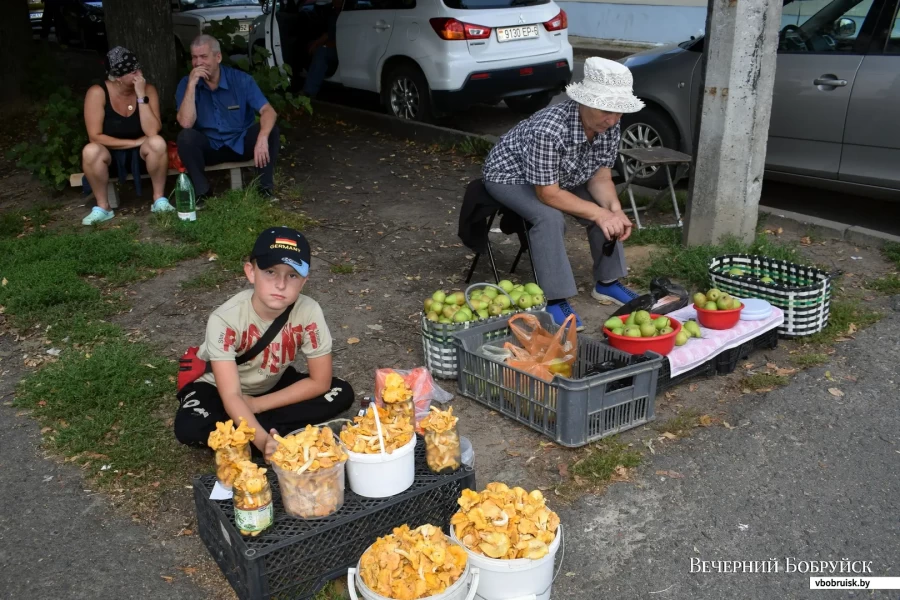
{"points": [[174, 163], [191, 367]]}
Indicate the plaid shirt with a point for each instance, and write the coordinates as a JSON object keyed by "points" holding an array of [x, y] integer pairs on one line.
{"points": [[551, 147]]}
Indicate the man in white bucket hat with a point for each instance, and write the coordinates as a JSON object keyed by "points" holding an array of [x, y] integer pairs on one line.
{"points": [[559, 162]]}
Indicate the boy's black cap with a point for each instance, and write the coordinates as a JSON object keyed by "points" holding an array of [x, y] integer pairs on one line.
{"points": [[282, 245]]}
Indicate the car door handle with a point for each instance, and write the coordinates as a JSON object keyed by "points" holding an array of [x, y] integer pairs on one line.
{"points": [[830, 82], [381, 26]]}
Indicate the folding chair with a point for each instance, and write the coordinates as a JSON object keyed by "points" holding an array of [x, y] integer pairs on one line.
{"points": [[654, 157]]}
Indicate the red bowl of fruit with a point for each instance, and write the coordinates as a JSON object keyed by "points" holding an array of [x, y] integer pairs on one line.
{"points": [[719, 319], [635, 342]]}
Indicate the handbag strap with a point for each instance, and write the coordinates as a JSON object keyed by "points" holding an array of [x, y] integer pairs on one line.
{"points": [[262, 342]]}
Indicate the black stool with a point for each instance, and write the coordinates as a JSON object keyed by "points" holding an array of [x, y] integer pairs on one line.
{"points": [[476, 218]]}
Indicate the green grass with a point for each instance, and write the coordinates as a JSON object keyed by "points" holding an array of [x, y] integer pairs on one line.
{"points": [[208, 280], [843, 314], [230, 225], [763, 381], [342, 269], [475, 146], [690, 265], [333, 590], [659, 236], [103, 401], [813, 359], [892, 253], [889, 284], [684, 421], [603, 458], [15, 222]]}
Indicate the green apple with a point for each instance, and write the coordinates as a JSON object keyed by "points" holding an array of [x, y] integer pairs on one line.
{"points": [[502, 301], [642, 317], [681, 339], [648, 330], [506, 285], [524, 302], [633, 331], [711, 306], [661, 323], [613, 323], [713, 294], [700, 299], [533, 289], [432, 316], [439, 296], [491, 292]]}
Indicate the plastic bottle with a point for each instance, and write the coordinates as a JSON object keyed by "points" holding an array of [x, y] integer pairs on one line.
{"points": [[185, 199]]}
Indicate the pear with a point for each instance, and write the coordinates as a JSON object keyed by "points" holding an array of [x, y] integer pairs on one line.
{"points": [[724, 303], [633, 331], [681, 339], [483, 314], [502, 301], [735, 303], [537, 299], [507, 311], [524, 302], [533, 289], [476, 294], [700, 299], [520, 288], [666, 331], [461, 317], [444, 320], [767, 279], [432, 316], [506, 285], [642, 317], [693, 328], [661, 323], [648, 330], [439, 296], [437, 307], [515, 295], [428, 302], [713, 294], [736, 272], [450, 299], [450, 310], [711, 306], [618, 331], [613, 323], [491, 292], [630, 319], [495, 309], [460, 298]]}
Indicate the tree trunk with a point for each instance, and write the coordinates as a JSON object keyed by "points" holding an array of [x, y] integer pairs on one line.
{"points": [[15, 49], [145, 28]]}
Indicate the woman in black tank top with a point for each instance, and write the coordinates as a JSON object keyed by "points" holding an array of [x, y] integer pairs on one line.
{"points": [[123, 125]]}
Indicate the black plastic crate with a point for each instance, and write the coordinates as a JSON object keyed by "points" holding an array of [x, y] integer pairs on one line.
{"points": [[295, 558], [721, 364]]}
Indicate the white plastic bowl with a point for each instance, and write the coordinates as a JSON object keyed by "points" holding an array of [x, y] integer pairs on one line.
{"points": [[382, 475]]}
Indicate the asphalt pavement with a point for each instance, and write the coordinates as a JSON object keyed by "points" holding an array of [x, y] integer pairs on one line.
{"points": [[809, 473]]}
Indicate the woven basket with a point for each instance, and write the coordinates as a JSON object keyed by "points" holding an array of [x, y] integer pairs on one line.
{"points": [[803, 293]]}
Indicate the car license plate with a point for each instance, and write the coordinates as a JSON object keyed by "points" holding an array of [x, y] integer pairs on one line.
{"points": [[245, 27], [37, 15], [508, 34]]}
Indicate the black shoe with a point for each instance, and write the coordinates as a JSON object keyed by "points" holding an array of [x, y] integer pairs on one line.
{"points": [[268, 195], [200, 203]]}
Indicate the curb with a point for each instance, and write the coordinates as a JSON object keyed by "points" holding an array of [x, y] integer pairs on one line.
{"points": [[400, 128], [848, 233]]}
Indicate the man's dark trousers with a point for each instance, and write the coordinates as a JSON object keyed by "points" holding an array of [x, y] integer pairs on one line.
{"points": [[196, 153]]}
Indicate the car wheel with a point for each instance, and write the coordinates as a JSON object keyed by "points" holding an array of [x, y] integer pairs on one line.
{"points": [[649, 128], [406, 95], [528, 104]]}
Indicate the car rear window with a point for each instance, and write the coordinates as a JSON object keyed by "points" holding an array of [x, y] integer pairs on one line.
{"points": [[485, 4]]}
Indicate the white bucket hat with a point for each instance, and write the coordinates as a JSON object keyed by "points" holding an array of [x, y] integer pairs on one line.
{"points": [[607, 85]]}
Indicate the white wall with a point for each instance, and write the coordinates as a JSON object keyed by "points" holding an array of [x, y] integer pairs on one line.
{"points": [[633, 22]]}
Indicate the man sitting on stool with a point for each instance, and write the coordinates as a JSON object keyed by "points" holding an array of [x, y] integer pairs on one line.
{"points": [[216, 107], [558, 162]]}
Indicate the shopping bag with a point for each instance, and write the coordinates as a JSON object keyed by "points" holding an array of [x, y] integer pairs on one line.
{"points": [[542, 354]]}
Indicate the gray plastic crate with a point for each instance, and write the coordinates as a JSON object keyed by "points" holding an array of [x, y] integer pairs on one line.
{"points": [[571, 412]]}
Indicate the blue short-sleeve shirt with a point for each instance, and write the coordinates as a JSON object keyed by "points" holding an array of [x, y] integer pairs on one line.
{"points": [[225, 114]]}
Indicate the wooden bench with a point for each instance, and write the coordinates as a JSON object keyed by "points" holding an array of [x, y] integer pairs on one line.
{"points": [[234, 168]]}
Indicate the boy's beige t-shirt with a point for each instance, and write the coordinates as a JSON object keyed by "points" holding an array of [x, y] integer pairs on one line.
{"points": [[234, 327]]}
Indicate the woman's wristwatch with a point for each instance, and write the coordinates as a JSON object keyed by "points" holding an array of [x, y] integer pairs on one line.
{"points": [[144, 100]]}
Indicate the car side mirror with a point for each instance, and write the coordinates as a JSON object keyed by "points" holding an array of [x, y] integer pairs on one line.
{"points": [[844, 27], [264, 4]]}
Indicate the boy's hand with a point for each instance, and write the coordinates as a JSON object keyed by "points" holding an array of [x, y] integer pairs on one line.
{"points": [[271, 445]]}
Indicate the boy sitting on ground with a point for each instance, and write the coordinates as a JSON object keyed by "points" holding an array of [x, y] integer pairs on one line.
{"points": [[265, 391]]}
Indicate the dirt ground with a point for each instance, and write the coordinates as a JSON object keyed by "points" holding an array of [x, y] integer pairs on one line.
{"points": [[389, 208]]}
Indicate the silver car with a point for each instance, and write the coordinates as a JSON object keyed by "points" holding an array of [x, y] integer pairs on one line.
{"points": [[836, 107]]}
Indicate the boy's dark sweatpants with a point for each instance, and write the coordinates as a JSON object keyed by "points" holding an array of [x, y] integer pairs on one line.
{"points": [[200, 407]]}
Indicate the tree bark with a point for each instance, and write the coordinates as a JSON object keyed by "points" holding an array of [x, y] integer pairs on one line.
{"points": [[145, 28], [15, 48]]}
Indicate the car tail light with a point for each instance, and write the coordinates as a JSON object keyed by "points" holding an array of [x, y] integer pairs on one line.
{"points": [[451, 29], [560, 21]]}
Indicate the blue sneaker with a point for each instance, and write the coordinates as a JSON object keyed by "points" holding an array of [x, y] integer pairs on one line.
{"points": [[97, 215], [614, 292], [561, 310], [162, 205]]}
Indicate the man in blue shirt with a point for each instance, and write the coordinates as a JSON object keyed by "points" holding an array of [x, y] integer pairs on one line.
{"points": [[217, 107]]}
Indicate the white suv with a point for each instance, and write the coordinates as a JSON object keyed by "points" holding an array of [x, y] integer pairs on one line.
{"points": [[191, 17], [428, 58]]}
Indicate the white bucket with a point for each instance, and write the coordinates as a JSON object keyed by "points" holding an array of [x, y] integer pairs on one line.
{"points": [[463, 589], [517, 579], [382, 475]]}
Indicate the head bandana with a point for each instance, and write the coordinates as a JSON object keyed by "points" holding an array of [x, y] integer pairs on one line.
{"points": [[120, 61]]}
